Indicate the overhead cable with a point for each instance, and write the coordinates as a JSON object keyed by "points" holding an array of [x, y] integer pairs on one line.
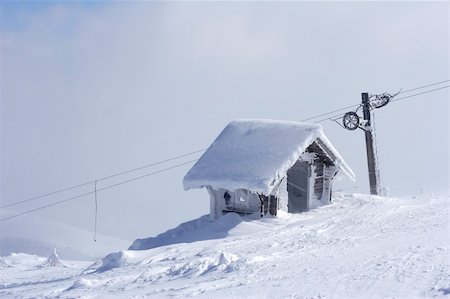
{"points": [[99, 180], [333, 117], [97, 190], [420, 87], [184, 155]]}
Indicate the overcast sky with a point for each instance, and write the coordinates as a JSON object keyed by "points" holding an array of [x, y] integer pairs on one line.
{"points": [[91, 89]]}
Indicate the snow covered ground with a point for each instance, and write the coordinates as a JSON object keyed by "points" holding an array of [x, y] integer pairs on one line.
{"points": [[357, 247]]}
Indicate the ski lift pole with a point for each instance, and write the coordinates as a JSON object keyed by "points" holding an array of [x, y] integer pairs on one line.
{"points": [[371, 163]]}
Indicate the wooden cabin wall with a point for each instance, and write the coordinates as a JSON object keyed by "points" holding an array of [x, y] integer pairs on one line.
{"points": [[215, 204], [329, 173], [324, 172], [282, 195], [318, 179]]}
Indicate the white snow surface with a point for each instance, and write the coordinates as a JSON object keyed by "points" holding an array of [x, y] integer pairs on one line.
{"points": [[255, 154], [359, 246]]}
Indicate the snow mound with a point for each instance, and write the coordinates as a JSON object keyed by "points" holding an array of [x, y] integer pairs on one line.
{"points": [[195, 230], [52, 261], [3, 264], [113, 260], [224, 262], [83, 283], [18, 260]]}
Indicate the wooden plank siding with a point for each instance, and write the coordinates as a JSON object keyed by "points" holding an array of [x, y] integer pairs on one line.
{"points": [[321, 162], [318, 181]]}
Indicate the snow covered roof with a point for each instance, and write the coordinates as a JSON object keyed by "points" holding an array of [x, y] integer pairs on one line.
{"points": [[256, 155]]}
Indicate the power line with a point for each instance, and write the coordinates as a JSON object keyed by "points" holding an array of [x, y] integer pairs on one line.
{"points": [[398, 99], [352, 106], [428, 85], [99, 180], [416, 94], [97, 190], [139, 168], [331, 112], [329, 118], [96, 212], [202, 150]]}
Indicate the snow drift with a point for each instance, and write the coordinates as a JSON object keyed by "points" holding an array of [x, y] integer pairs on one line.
{"points": [[191, 231], [359, 246]]}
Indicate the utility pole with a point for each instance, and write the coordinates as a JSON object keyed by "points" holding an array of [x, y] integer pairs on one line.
{"points": [[351, 121], [371, 163]]}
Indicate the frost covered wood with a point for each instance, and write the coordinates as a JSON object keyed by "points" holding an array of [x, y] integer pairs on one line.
{"points": [[291, 163]]}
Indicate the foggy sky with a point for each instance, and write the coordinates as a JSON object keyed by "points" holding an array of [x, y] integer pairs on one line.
{"points": [[88, 90]]}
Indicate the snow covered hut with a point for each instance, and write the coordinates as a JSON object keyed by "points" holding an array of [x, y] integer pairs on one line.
{"points": [[266, 166]]}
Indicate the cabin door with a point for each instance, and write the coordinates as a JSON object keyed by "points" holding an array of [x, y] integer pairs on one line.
{"points": [[298, 187]]}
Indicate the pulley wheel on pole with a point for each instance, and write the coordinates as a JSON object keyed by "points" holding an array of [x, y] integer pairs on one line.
{"points": [[350, 121]]}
